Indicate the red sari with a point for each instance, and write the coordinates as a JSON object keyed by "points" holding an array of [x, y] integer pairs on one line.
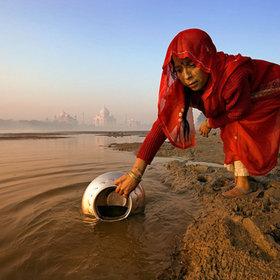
{"points": [[242, 97]]}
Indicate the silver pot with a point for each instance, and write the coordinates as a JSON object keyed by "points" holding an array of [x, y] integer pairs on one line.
{"points": [[101, 200]]}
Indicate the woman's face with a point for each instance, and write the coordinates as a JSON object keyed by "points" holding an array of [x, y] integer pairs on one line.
{"points": [[189, 75]]}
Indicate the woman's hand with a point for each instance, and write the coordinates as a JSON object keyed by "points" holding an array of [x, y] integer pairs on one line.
{"points": [[204, 128], [128, 182], [125, 185]]}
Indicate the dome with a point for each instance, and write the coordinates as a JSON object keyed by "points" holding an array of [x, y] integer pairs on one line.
{"points": [[104, 112]]}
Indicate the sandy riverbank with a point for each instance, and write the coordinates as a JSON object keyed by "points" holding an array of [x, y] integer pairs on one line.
{"points": [[230, 238], [207, 149]]}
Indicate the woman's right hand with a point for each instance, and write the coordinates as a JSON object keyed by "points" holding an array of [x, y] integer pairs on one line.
{"points": [[125, 185], [128, 182]]}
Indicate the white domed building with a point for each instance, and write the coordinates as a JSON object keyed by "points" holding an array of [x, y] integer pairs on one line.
{"points": [[104, 119]]}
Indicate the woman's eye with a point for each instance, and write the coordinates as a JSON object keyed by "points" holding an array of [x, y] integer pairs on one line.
{"points": [[188, 63], [178, 70]]}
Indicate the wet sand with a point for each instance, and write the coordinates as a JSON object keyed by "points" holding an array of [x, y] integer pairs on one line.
{"points": [[230, 238]]}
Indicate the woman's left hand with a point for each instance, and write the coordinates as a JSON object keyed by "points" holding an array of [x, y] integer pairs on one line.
{"points": [[204, 128]]}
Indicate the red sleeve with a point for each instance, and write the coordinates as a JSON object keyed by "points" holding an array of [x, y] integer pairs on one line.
{"points": [[153, 141], [237, 96]]}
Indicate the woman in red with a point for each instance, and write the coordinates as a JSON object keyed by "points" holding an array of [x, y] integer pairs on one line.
{"points": [[237, 94]]}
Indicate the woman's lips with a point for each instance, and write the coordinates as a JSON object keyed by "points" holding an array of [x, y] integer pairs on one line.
{"points": [[192, 84]]}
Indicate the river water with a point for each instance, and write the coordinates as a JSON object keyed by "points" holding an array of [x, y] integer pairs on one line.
{"points": [[43, 234]]}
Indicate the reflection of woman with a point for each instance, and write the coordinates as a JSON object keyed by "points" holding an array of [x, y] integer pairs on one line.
{"points": [[238, 94]]}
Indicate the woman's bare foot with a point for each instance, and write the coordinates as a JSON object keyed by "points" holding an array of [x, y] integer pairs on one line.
{"points": [[243, 183], [242, 187]]}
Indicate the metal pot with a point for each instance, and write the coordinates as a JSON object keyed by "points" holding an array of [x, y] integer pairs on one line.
{"points": [[101, 200]]}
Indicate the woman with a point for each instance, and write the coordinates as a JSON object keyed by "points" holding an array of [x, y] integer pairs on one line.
{"points": [[238, 94]]}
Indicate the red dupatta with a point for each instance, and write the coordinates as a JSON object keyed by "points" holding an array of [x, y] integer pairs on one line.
{"points": [[198, 46]]}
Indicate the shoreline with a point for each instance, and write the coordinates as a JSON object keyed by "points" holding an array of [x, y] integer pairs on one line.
{"points": [[65, 134], [207, 149], [230, 238]]}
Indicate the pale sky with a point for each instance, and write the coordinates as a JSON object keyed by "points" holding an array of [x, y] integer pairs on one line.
{"points": [[78, 56]]}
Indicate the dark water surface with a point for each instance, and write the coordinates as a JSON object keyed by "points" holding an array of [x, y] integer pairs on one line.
{"points": [[111, 211], [42, 232]]}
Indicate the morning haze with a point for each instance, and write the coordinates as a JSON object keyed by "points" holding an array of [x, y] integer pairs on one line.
{"points": [[77, 57]]}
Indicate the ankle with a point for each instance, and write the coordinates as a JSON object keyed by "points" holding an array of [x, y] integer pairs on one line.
{"points": [[243, 182]]}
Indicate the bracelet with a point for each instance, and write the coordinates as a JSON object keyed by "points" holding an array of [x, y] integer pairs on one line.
{"points": [[139, 176], [132, 175], [135, 169]]}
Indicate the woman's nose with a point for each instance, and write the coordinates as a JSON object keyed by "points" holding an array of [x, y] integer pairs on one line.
{"points": [[186, 73]]}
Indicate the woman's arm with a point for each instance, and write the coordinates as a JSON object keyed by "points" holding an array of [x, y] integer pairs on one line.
{"points": [[150, 146], [152, 143]]}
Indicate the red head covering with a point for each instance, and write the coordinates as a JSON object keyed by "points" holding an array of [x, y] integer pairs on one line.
{"points": [[198, 46]]}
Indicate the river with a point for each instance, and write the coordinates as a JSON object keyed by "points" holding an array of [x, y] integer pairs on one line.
{"points": [[43, 233]]}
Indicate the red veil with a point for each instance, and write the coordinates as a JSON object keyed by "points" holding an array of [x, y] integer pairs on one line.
{"points": [[198, 46]]}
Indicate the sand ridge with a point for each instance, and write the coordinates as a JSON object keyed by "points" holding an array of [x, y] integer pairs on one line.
{"points": [[230, 238]]}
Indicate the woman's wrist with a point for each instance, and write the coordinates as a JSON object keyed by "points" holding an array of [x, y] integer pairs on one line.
{"points": [[208, 124], [138, 171], [139, 167], [134, 176]]}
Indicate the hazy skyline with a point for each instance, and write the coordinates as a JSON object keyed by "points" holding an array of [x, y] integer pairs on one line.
{"points": [[77, 56]]}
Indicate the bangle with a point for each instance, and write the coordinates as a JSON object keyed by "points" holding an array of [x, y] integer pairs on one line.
{"points": [[138, 176], [132, 175], [135, 169]]}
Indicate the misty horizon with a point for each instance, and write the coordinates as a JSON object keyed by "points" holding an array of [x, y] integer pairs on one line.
{"points": [[75, 57]]}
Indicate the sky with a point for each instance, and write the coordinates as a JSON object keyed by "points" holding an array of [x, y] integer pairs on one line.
{"points": [[80, 55]]}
